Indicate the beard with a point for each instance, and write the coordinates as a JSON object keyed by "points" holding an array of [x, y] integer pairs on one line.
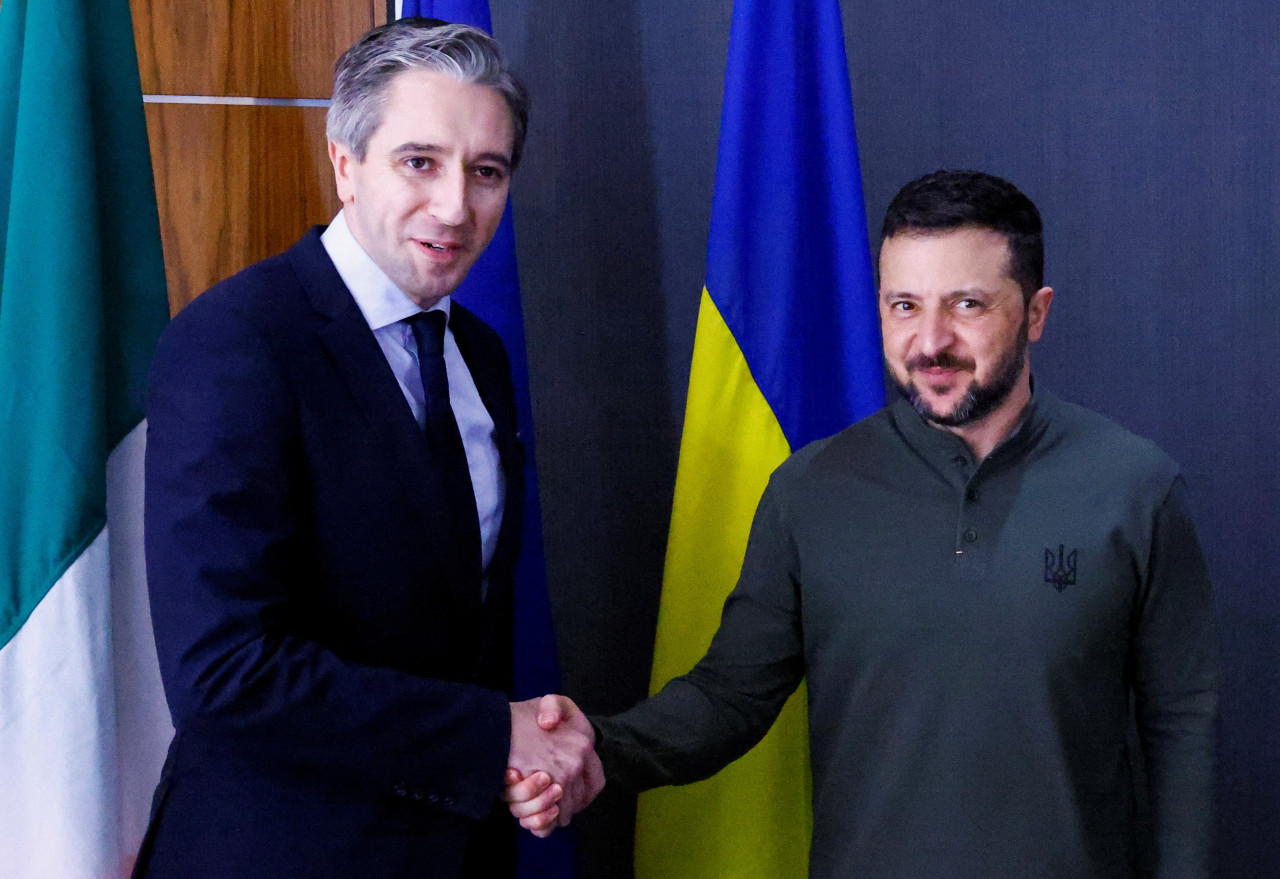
{"points": [[982, 398]]}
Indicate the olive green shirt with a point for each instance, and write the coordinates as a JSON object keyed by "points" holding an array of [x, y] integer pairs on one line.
{"points": [[972, 634]]}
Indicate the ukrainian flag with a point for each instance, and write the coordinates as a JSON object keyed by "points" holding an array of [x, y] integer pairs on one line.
{"points": [[787, 351]]}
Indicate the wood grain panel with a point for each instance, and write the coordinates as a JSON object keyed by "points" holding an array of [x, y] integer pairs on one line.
{"points": [[258, 48], [234, 185]]}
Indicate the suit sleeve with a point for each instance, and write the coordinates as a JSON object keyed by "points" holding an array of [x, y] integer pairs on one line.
{"points": [[706, 719], [225, 533], [1176, 679]]}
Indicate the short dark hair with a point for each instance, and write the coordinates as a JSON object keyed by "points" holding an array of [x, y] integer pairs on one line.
{"points": [[946, 200], [364, 72]]}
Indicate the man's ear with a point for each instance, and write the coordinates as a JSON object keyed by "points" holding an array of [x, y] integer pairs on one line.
{"points": [[343, 161], [1038, 312]]}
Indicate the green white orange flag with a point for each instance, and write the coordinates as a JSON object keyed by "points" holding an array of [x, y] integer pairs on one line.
{"points": [[787, 351], [83, 724]]}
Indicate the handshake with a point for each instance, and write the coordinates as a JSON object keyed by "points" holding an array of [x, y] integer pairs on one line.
{"points": [[553, 771]]}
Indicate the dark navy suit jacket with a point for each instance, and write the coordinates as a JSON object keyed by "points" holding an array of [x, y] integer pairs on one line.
{"points": [[339, 690]]}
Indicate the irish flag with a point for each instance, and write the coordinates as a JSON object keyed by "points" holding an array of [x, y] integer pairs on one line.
{"points": [[83, 724]]}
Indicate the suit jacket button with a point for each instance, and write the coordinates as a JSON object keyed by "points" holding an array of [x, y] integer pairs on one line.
{"points": [[400, 790], [449, 801], [433, 798]]}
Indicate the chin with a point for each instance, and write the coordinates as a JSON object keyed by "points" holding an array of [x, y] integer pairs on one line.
{"points": [[940, 411], [941, 416], [943, 407]]}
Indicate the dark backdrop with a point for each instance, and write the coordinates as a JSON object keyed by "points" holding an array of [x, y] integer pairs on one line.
{"points": [[1147, 133]]}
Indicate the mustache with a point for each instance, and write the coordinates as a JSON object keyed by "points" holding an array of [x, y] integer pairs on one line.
{"points": [[943, 360]]}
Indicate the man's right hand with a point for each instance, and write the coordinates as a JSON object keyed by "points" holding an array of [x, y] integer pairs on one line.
{"points": [[553, 771]]}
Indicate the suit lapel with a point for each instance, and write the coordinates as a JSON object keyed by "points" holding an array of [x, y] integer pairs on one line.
{"points": [[492, 376], [363, 368]]}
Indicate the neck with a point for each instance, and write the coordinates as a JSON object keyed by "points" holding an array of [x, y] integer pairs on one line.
{"points": [[984, 435]]}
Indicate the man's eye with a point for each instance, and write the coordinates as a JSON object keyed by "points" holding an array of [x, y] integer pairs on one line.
{"points": [[902, 305], [489, 172], [417, 163], [970, 303]]}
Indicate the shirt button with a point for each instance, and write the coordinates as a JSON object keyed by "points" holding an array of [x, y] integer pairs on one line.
{"points": [[971, 536]]}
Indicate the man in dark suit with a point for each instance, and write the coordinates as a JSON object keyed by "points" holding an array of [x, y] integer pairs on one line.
{"points": [[332, 511]]}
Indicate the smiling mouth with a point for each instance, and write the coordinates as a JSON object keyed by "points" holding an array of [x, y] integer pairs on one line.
{"points": [[440, 250], [940, 375], [942, 363]]}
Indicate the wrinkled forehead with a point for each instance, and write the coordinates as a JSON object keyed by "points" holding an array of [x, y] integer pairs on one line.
{"points": [[962, 248]]}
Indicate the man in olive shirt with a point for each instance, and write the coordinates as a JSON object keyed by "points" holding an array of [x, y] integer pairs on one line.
{"points": [[976, 582]]}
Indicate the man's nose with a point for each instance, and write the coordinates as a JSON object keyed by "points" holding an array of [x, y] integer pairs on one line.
{"points": [[936, 332], [450, 198]]}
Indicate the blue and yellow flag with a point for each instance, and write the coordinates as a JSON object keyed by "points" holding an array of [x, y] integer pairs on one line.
{"points": [[787, 351]]}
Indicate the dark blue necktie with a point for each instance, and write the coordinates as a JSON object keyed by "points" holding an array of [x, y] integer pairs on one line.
{"points": [[443, 438]]}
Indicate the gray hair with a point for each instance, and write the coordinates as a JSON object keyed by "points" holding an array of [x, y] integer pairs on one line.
{"points": [[362, 75]]}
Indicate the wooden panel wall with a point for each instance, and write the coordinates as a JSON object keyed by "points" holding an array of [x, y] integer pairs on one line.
{"points": [[238, 183]]}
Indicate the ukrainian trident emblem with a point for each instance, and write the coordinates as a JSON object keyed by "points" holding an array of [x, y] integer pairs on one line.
{"points": [[1060, 567]]}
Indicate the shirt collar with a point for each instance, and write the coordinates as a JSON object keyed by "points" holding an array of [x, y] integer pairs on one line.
{"points": [[935, 441], [380, 301]]}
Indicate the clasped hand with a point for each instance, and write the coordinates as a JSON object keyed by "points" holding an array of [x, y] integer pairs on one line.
{"points": [[553, 771]]}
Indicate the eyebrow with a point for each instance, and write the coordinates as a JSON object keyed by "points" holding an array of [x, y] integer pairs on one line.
{"points": [[950, 294], [412, 147]]}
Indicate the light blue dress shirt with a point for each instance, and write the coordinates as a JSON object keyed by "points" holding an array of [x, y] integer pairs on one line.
{"points": [[385, 307]]}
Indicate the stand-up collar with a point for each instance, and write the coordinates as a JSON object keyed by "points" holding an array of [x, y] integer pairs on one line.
{"points": [[937, 444]]}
